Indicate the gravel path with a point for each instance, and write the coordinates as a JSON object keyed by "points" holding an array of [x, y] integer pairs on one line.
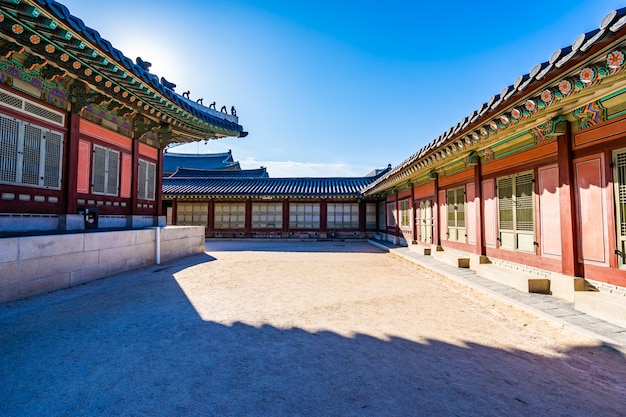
{"points": [[294, 329]]}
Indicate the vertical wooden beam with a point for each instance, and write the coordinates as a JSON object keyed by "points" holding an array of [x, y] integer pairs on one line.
{"points": [[323, 217], [569, 226], [413, 215], [436, 219], [481, 248], [285, 229], [159, 179], [71, 164], [362, 215], [210, 218], [134, 186], [248, 214], [175, 211]]}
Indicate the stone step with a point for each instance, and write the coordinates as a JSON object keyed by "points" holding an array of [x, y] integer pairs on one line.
{"points": [[519, 280], [450, 258], [608, 307]]}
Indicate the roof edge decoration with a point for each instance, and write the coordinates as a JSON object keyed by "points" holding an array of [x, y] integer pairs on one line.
{"points": [[60, 45], [552, 87]]}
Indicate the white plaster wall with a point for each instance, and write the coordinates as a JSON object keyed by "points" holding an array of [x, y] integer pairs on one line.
{"points": [[36, 264]]}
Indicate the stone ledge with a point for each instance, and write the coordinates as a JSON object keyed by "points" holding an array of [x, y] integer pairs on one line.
{"points": [[519, 280], [608, 307]]}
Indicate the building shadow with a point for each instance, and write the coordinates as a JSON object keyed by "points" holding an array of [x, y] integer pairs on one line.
{"points": [[134, 345], [340, 246]]}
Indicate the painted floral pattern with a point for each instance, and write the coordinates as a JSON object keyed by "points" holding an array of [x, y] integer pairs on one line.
{"points": [[615, 59], [530, 105], [34, 39], [587, 75], [516, 113], [17, 29], [547, 96], [50, 49], [565, 87]]}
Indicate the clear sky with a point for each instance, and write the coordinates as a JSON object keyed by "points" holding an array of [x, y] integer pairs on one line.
{"points": [[338, 88]]}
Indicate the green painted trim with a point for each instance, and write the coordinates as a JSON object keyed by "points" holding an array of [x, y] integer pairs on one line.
{"points": [[614, 94], [514, 151], [613, 116]]}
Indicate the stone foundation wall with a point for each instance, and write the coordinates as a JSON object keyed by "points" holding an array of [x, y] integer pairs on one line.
{"points": [[36, 264]]}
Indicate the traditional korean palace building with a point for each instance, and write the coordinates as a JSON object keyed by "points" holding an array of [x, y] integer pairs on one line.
{"points": [[530, 188], [82, 129]]}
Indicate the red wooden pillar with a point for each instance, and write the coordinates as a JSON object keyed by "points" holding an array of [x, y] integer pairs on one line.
{"points": [[71, 164], [285, 229], [413, 215], [569, 227], [248, 214], [323, 217], [362, 215], [135, 175], [481, 248], [435, 213], [159, 178], [210, 217]]}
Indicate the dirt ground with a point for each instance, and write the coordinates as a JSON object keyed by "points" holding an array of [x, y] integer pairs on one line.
{"points": [[294, 329]]}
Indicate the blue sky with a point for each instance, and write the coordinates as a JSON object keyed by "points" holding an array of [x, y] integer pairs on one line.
{"points": [[338, 88]]}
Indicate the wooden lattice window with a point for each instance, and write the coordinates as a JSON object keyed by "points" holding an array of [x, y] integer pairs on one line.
{"points": [[106, 171], [267, 215], [516, 214], [405, 213], [455, 199], [304, 215], [146, 180], [29, 154], [230, 215], [342, 215], [192, 214]]}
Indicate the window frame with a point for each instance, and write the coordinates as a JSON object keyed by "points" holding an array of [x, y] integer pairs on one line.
{"points": [[276, 214], [336, 210], [298, 213], [106, 178], [456, 221], [46, 162], [513, 229], [146, 174]]}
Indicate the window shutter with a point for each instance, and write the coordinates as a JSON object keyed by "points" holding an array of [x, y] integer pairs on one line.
{"points": [[99, 163], [151, 177], [460, 205], [9, 136], [524, 202], [141, 180], [52, 170], [113, 169], [31, 155], [505, 203]]}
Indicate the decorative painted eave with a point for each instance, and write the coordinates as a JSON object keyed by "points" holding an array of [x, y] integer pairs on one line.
{"points": [[587, 68], [53, 37]]}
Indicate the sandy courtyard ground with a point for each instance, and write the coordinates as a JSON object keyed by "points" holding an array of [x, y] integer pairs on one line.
{"points": [[294, 329]]}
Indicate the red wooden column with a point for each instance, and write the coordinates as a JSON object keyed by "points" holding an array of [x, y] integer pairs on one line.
{"points": [[135, 176], [413, 215], [210, 220], [435, 214], [71, 164], [362, 216], [159, 180], [569, 227], [248, 222], [481, 248], [285, 229], [323, 217]]}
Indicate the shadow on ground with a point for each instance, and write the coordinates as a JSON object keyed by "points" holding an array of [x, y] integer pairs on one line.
{"points": [[246, 245], [134, 345]]}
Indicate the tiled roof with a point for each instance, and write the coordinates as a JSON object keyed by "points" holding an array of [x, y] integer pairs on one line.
{"points": [[219, 173], [174, 161], [49, 30], [496, 111], [284, 187]]}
